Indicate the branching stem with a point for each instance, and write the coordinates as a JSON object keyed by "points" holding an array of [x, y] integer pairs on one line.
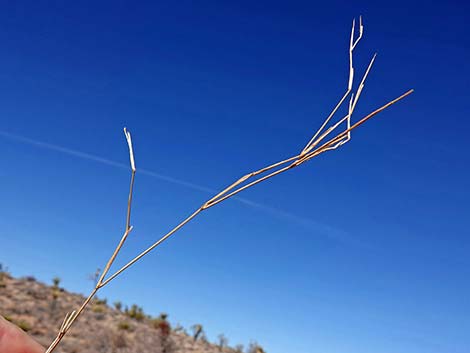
{"points": [[311, 150]]}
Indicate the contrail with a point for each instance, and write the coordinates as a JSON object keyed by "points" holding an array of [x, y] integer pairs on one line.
{"points": [[95, 158], [304, 222]]}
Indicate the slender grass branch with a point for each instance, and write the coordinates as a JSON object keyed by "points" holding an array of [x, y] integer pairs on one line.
{"points": [[313, 148], [71, 317]]}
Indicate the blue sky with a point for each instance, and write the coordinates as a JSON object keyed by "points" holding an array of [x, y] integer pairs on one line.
{"points": [[364, 249]]}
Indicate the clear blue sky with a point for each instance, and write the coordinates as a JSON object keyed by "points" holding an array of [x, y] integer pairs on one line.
{"points": [[365, 250]]}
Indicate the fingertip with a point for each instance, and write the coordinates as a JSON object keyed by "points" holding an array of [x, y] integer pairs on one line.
{"points": [[15, 340]]}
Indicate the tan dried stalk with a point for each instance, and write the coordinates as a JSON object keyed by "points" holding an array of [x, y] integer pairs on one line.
{"points": [[318, 144]]}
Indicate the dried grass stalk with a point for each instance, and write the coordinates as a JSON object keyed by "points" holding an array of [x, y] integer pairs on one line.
{"points": [[325, 139]]}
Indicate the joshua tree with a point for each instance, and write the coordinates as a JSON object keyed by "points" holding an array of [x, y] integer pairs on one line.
{"points": [[197, 331], [55, 291], [56, 282], [223, 342]]}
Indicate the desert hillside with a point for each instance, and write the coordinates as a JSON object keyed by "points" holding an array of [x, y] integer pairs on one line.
{"points": [[39, 309]]}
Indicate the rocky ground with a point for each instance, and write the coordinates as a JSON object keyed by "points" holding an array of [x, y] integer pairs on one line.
{"points": [[39, 309]]}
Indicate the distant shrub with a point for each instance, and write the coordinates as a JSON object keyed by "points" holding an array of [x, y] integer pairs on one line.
{"points": [[163, 327], [161, 323], [97, 308], [118, 305], [101, 301], [136, 312], [25, 326], [124, 325]]}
